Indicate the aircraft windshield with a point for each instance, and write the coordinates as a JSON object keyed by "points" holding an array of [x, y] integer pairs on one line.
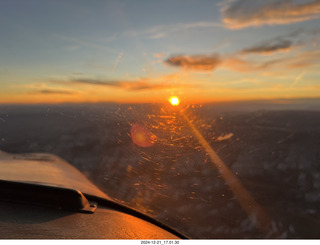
{"points": [[202, 114]]}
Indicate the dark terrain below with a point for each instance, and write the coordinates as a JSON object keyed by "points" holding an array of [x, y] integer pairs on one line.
{"points": [[274, 153]]}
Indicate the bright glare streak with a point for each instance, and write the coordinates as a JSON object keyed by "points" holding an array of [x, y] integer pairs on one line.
{"points": [[174, 101], [255, 212]]}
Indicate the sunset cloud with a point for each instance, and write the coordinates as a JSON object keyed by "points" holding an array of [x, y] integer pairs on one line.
{"points": [[238, 63], [212, 62], [293, 45], [244, 13], [195, 62], [269, 47], [282, 43]]}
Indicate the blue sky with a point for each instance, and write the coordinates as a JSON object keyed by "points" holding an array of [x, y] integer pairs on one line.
{"points": [[145, 51]]}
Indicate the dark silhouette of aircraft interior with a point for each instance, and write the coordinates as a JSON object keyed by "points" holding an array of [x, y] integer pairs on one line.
{"points": [[44, 197]]}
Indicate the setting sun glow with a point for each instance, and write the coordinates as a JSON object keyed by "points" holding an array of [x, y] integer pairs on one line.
{"points": [[174, 101]]}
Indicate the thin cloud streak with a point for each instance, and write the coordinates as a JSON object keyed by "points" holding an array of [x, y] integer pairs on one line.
{"points": [[115, 66], [137, 85], [158, 32], [85, 43], [298, 78], [269, 48], [282, 43], [162, 31], [53, 92], [305, 59], [243, 13]]}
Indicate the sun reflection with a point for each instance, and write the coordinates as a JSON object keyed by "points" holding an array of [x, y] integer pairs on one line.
{"points": [[174, 101]]}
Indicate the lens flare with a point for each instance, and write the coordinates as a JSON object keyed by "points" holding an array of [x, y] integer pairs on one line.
{"points": [[142, 136], [174, 101]]}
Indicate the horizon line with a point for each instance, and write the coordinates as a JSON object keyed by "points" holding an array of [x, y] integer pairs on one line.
{"points": [[264, 100]]}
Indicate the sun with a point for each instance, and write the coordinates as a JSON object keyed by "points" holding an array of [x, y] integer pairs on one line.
{"points": [[174, 101]]}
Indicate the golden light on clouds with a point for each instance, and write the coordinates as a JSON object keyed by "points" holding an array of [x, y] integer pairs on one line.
{"points": [[235, 14], [200, 72]]}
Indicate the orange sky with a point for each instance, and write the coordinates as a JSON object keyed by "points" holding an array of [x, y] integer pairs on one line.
{"points": [[201, 52]]}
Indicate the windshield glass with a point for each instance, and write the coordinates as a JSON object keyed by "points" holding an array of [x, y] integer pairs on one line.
{"points": [[202, 114]]}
